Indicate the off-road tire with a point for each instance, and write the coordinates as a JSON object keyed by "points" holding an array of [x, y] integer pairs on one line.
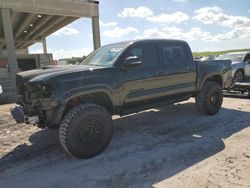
{"points": [[239, 76], [78, 125], [210, 98], [53, 126]]}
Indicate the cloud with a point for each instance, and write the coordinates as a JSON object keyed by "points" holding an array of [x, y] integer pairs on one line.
{"points": [[177, 17], [119, 32], [140, 12], [176, 33], [148, 14], [195, 34], [180, 1], [66, 31], [215, 15], [108, 24], [239, 25]]}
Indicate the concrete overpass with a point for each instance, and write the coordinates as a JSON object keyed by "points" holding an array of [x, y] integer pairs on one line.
{"points": [[25, 22]]}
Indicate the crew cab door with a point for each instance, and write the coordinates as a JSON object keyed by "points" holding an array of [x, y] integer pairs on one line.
{"points": [[139, 83], [178, 68]]}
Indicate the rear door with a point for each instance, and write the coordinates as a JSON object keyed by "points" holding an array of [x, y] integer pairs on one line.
{"points": [[178, 68]]}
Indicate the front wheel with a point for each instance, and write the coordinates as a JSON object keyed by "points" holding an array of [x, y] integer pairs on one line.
{"points": [[239, 76], [86, 130], [210, 98]]}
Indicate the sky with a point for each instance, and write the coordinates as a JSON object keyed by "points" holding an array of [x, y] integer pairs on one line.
{"points": [[207, 25]]}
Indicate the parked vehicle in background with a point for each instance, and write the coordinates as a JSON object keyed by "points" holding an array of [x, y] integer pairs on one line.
{"points": [[207, 58], [240, 64], [117, 79]]}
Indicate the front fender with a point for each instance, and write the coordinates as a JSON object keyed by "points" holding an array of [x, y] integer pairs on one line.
{"points": [[55, 115], [76, 92]]}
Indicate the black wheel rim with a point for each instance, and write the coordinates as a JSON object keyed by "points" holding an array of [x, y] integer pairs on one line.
{"points": [[238, 76], [91, 132], [214, 99]]}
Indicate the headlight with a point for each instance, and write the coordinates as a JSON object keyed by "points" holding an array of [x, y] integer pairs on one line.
{"points": [[46, 90]]}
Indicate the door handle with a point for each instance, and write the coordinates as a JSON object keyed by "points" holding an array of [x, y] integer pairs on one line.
{"points": [[159, 73]]}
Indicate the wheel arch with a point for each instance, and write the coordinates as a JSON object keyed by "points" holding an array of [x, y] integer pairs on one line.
{"points": [[240, 69], [100, 98], [211, 77]]}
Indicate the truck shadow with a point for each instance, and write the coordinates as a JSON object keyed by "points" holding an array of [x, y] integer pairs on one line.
{"points": [[147, 147]]}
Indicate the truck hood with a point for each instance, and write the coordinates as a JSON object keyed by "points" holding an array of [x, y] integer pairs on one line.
{"points": [[53, 70]]}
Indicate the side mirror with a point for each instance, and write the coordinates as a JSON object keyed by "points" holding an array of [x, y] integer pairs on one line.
{"points": [[131, 61]]}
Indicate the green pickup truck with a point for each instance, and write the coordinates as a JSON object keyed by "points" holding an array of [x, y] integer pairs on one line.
{"points": [[116, 79]]}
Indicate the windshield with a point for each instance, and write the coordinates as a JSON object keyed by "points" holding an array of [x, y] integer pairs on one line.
{"points": [[105, 56], [232, 57]]}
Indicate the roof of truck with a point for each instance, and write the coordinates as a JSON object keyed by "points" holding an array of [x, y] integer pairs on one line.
{"points": [[157, 40]]}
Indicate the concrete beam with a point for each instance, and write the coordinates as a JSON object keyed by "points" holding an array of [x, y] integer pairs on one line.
{"points": [[35, 34], [57, 26], [10, 44], [18, 41], [38, 26], [19, 29], [51, 29], [96, 32], [56, 7]]}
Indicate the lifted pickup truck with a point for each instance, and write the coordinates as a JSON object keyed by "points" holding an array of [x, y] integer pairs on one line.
{"points": [[116, 79]]}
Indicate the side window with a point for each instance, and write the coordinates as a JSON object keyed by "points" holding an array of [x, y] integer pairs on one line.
{"points": [[146, 52], [174, 54], [247, 58]]}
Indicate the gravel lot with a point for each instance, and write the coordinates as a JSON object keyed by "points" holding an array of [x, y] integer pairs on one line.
{"points": [[173, 146]]}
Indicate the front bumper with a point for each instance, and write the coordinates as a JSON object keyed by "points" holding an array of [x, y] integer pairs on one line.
{"points": [[20, 117]]}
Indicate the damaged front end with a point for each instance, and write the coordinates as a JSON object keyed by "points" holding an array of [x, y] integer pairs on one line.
{"points": [[34, 101], [20, 117]]}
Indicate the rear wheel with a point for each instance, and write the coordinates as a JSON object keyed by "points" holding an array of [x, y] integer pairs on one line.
{"points": [[86, 130], [52, 126], [239, 76], [210, 98]]}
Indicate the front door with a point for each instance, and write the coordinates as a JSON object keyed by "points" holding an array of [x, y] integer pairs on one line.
{"points": [[138, 84]]}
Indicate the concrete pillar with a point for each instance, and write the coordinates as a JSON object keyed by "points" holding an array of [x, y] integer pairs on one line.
{"points": [[10, 44], [44, 46], [1, 47], [96, 32]]}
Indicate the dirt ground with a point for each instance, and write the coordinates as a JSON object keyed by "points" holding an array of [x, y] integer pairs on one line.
{"points": [[173, 146]]}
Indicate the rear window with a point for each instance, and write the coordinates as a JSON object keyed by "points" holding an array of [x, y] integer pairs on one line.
{"points": [[174, 54]]}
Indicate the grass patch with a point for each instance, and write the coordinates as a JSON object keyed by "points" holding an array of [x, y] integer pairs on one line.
{"points": [[215, 53]]}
